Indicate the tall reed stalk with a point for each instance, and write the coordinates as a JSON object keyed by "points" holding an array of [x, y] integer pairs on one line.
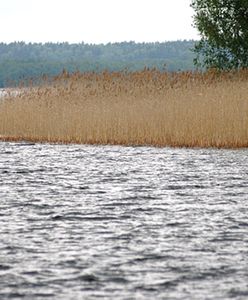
{"points": [[148, 107]]}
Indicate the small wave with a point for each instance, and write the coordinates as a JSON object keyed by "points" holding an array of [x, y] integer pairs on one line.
{"points": [[5, 267]]}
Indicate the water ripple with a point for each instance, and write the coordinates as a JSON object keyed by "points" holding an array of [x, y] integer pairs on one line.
{"points": [[87, 222]]}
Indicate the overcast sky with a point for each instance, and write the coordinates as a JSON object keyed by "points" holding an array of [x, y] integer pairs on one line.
{"points": [[95, 21]]}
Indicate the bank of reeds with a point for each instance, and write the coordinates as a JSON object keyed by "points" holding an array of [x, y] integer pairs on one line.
{"points": [[186, 109]]}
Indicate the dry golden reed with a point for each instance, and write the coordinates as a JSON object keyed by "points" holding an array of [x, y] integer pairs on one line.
{"points": [[186, 109]]}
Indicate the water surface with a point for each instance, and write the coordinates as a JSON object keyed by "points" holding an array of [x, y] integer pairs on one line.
{"points": [[2, 92], [90, 222]]}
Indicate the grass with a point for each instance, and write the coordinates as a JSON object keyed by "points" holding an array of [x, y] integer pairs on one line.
{"points": [[186, 109]]}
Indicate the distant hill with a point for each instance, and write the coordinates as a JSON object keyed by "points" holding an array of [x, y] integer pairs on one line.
{"points": [[20, 60]]}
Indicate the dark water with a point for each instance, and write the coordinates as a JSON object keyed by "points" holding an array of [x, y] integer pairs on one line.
{"points": [[86, 222]]}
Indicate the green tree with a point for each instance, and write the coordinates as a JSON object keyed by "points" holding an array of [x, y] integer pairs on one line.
{"points": [[223, 26]]}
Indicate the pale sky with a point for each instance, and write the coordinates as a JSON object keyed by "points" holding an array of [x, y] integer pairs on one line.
{"points": [[96, 21]]}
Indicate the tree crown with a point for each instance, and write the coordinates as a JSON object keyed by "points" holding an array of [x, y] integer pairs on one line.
{"points": [[223, 26]]}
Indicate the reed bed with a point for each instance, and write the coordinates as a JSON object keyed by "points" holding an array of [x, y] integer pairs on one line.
{"points": [[186, 109]]}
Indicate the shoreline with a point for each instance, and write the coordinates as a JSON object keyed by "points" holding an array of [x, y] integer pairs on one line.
{"points": [[75, 142]]}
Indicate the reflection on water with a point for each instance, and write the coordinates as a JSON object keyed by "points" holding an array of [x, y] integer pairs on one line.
{"points": [[87, 222]]}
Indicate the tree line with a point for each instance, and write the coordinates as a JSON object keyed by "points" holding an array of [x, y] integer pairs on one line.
{"points": [[20, 61], [223, 29]]}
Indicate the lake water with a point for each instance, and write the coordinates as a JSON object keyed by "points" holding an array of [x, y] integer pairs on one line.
{"points": [[109, 222], [8, 91], [2, 92]]}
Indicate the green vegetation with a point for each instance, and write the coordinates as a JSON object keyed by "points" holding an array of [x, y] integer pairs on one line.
{"points": [[223, 25], [19, 61]]}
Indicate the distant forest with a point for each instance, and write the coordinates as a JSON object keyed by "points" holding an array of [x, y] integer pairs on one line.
{"points": [[20, 61]]}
